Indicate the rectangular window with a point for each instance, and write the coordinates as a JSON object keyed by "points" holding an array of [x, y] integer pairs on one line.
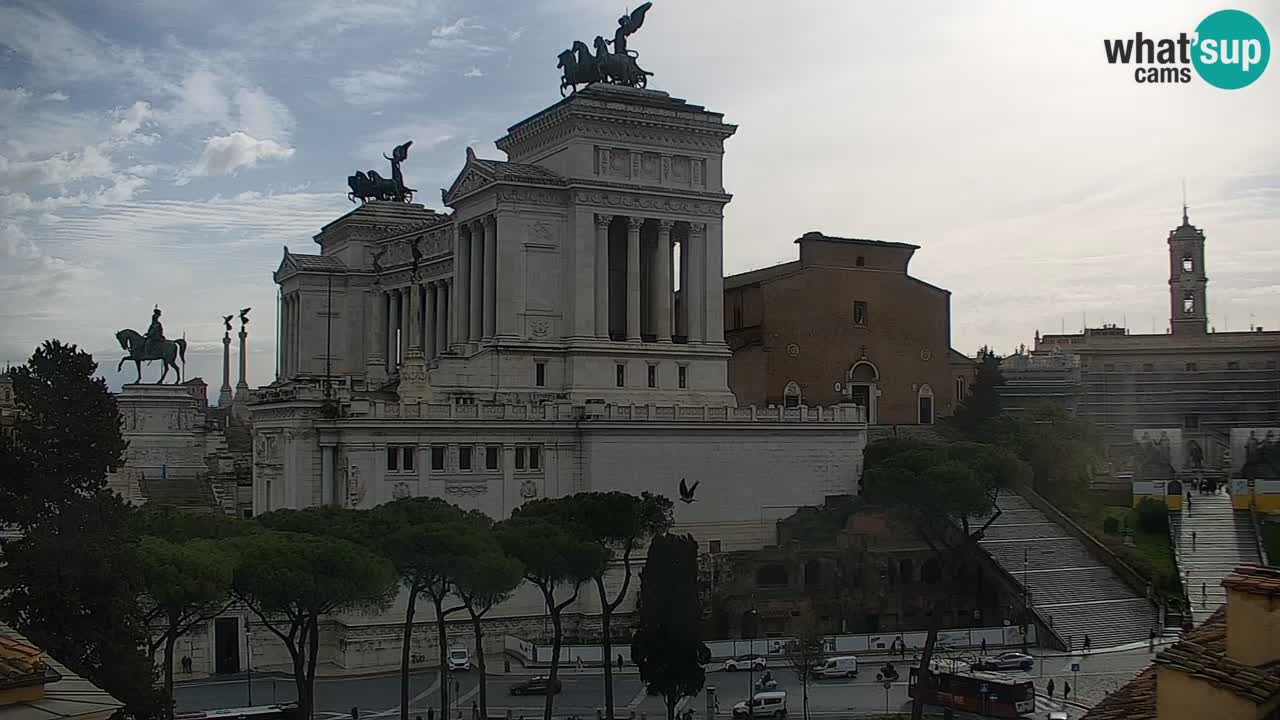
{"points": [[1191, 367], [393, 459], [535, 457], [684, 377], [653, 376], [860, 312], [407, 459], [1233, 365], [491, 457], [713, 546], [1148, 367], [464, 457], [1271, 364], [1108, 368], [622, 375], [1191, 422], [519, 457], [437, 457], [540, 374]]}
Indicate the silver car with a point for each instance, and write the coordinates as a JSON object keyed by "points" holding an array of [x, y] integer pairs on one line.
{"points": [[1012, 660]]}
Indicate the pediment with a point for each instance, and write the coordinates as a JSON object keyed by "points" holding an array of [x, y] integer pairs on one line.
{"points": [[472, 178]]}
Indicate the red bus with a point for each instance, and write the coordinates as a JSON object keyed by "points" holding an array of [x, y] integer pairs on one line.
{"points": [[985, 693]]}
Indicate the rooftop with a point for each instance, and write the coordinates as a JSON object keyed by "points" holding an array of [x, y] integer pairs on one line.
{"points": [[1254, 579], [815, 235], [65, 695]]}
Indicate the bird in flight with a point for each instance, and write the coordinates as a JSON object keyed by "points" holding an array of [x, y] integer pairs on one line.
{"points": [[687, 491]]}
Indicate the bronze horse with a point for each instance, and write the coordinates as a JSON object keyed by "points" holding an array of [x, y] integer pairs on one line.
{"points": [[170, 351]]}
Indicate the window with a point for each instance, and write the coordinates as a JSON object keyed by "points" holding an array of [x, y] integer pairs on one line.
{"points": [[540, 374], [519, 457], [906, 571], [1108, 368], [1191, 422], [399, 458], [1188, 264], [1233, 365], [860, 262], [713, 546], [860, 312], [1271, 364], [683, 374], [491, 457], [535, 457], [653, 376], [926, 404], [247, 514], [771, 576], [622, 375], [1189, 303], [791, 396], [1148, 367], [437, 457], [960, 388], [464, 458], [737, 314], [406, 459], [1191, 367], [393, 459]]}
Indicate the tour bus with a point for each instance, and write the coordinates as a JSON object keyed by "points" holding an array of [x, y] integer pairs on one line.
{"points": [[283, 711], [985, 693]]}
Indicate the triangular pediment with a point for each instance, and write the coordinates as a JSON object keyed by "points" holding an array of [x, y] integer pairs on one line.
{"points": [[473, 177], [287, 265]]}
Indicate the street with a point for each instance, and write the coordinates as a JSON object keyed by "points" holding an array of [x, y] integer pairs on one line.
{"points": [[378, 696]]}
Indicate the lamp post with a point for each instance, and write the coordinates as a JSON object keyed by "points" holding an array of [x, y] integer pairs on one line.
{"points": [[248, 661], [751, 663]]}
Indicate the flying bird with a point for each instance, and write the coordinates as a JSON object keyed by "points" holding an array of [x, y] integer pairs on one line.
{"points": [[687, 491]]}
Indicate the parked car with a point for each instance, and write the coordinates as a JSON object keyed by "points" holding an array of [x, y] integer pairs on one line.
{"points": [[539, 685], [1012, 660], [1058, 715], [843, 666], [742, 662], [765, 704], [459, 659]]}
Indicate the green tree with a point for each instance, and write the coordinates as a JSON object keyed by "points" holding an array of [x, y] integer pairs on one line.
{"points": [[983, 402], [290, 580], [430, 542], [805, 654], [557, 559], [947, 493], [667, 646], [488, 578], [185, 584], [71, 581], [621, 524]]}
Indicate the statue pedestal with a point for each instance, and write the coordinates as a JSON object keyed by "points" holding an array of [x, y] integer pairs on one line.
{"points": [[415, 386]]}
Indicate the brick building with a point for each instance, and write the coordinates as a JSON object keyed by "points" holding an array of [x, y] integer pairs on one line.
{"points": [[845, 323]]}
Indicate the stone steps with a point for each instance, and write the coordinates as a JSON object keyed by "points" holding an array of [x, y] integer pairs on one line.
{"points": [[1223, 541]]}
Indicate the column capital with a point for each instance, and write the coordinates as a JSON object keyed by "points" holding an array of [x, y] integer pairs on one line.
{"points": [[634, 223], [489, 221], [603, 220], [666, 225], [697, 229], [477, 226]]}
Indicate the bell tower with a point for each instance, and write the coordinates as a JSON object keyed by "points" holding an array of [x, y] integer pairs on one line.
{"points": [[1188, 313]]}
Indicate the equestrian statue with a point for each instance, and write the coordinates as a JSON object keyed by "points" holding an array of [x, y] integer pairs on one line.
{"points": [[617, 66], [373, 186], [153, 346]]}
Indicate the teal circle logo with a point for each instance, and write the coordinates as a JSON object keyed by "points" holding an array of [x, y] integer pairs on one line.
{"points": [[1232, 49]]}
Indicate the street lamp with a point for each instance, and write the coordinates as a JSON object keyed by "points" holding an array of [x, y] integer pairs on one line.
{"points": [[751, 663], [248, 660]]}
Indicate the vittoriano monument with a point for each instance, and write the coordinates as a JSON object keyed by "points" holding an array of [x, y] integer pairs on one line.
{"points": [[618, 67], [153, 346], [375, 187]]}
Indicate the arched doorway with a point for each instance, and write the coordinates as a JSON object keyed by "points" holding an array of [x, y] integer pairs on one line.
{"points": [[864, 387], [925, 399], [791, 395]]}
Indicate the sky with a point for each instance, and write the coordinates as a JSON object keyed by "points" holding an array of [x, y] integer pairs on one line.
{"points": [[154, 152]]}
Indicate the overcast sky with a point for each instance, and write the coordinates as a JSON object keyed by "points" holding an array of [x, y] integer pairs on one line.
{"points": [[162, 152]]}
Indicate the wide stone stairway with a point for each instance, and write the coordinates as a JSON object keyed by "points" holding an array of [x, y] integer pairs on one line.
{"points": [[1223, 539], [1068, 586]]}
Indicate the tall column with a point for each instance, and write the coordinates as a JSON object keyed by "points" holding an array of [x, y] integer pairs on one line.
{"points": [[327, 462], [633, 278], [244, 335], [429, 320], [682, 317], [662, 272], [476, 302], [405, 322], [462, 281], [393, 319], [715, 281], [294, 365], [375, 364], [224, 395], [444, 301], [602, 275], [415, 317], [696, 294], [490, 276]]}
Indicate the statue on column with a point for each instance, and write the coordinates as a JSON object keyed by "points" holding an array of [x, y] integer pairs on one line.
{"points": [[152, 346]]}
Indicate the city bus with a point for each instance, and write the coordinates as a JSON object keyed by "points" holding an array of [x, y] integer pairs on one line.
{"points": [[985, 693], [283, 711]]}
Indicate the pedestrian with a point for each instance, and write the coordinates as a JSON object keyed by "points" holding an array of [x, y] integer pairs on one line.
{"points": [[619, 661], [1049, 689], [579, 662], [1193, 541], [1087, 643], [186, 664], [1188, 501], [1204, 594], [1066, 690], [984, 646], [355, 712], [1151, 641]]}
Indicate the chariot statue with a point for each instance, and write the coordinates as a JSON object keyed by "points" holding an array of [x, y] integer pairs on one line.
{"points": [[617, 66], [153, 346], [372, 186]]}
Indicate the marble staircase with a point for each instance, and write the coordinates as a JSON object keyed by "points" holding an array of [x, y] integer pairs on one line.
{"points": [[1212, 539]]}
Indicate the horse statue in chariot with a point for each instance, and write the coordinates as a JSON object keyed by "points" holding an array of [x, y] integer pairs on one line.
{"points": [[617, 67], [373, 186]]}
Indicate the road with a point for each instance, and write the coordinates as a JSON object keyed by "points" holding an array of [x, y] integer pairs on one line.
{"points": [[378, 696]]}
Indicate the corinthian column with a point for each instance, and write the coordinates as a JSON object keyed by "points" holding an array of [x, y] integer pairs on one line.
{"points": [[633, 278], [490, 276], [602, 275], [476, 301], [375, 363], [662, 274], [429, 321], [461, 300]]}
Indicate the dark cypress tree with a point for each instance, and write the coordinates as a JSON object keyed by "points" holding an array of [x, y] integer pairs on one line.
{"points": [[667, 646]]}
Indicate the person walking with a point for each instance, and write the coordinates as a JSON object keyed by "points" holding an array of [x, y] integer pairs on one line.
{"points": [[1188, 501], [1066, 691], [1151, 641], [1087, 643], [1193, 541], [578, 662], [619, 661], [1048, 689], [984, 646], [1204, 594]]}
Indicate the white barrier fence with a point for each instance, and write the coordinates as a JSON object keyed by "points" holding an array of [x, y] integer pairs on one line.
{"points": [[995, 637]]}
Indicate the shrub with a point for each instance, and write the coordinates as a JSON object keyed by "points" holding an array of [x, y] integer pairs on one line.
{"points": [[1153, 516], [1111, 526]]}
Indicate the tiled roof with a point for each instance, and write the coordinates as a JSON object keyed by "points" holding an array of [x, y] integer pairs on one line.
{"points": [[321, 263], [21, 663], [1134, 701], [66, 696], [519, 172], [1254, 579], [752, 277]]}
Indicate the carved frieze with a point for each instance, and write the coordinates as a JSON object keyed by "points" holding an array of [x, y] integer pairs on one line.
{"points": [[539, 327], [528, 489], [630, 201], [400, 491], [466, 488], [529, 196]]}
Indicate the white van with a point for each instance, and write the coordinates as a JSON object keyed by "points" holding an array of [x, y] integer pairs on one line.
{"points": [[763, 705], [843, 666], [459, 659]]}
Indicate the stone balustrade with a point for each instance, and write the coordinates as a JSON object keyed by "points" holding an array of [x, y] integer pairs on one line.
{"points": [[600, 412]]}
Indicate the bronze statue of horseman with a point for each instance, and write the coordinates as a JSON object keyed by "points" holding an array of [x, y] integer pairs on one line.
{"points": [[373, 186], [618, 67], [153, 346]]}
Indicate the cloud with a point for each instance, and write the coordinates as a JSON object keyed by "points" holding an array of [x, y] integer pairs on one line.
{"points": [[228, 154], [199, 99], [56, 96], [130, 120], [458, 36], [372, 86], [12, 99], [262, 115], [57, 170], [454, 29], [474, 72]]}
